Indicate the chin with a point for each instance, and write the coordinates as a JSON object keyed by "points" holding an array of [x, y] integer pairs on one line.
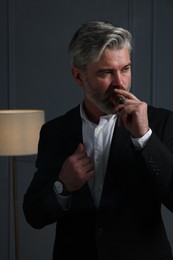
{"points": [[108, 111]]}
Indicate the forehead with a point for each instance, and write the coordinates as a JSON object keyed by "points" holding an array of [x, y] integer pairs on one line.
{"points": [[114, 56]]}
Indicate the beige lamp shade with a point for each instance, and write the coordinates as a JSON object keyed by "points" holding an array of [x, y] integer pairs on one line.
{"points": [[19, 131]]}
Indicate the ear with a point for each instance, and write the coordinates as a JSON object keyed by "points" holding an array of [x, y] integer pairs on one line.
{"points": [[78, 76]]}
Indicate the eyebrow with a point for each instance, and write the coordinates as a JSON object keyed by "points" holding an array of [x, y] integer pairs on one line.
{"points": [[129, 64], [110, 68]]}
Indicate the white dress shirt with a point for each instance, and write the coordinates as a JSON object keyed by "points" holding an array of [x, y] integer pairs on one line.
{"points": [[97, 141]]}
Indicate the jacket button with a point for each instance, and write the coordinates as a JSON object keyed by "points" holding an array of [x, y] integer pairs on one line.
{"points": [[150, 159], [99, 231], [156, 171]]}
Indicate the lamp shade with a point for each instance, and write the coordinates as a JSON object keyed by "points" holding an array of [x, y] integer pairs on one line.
{"points": [[19, 131]]}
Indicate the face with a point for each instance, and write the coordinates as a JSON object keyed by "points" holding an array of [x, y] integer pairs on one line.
{"points": [[113, 70]]}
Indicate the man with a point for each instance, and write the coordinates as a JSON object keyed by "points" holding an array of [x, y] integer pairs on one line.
{"points": [[105, 167]]}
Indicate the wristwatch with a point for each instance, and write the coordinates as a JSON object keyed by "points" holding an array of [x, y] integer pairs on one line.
{"points": [[60, 188]]}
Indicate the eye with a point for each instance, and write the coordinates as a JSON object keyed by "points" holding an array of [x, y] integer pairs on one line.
{"points": [[108, 72], [126, 69], [103, 73]]}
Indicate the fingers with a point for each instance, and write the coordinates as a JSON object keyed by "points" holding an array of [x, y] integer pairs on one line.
{"points": [[83, 159], [135, 118], [80, 149], [126, 94], [77, 169]]}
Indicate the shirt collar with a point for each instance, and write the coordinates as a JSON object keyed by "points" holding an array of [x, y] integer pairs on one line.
{"points": [[107, 117]]}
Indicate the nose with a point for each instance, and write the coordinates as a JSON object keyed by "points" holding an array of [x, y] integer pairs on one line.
{"points": [[117, 79]]}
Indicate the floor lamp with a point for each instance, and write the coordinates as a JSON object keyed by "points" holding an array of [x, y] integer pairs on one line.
{"points": [[19, 135]]}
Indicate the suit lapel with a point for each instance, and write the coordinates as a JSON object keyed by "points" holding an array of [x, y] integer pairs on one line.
{"points": [[74, 126], [120, 143], [82, 198]]}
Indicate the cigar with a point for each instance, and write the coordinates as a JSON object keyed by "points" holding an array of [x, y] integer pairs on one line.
{"points": [[121, 100]]}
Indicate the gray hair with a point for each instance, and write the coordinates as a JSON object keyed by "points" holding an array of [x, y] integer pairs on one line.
{"points": [[92, 38]]}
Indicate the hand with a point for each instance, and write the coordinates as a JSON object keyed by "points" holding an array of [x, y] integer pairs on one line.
{"points": [[133, 114], [76, 170]]}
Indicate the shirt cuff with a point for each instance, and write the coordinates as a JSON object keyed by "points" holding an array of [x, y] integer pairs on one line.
{"points": [[139, 143], [64, 201]]}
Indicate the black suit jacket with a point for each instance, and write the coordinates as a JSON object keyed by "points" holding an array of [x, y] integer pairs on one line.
{"points": [[128, 224]]}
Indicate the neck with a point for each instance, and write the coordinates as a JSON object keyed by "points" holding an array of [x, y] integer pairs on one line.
{"points": [[92, 112]]}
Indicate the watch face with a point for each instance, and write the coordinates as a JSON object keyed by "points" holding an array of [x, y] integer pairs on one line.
{"points": [[58, 187]]}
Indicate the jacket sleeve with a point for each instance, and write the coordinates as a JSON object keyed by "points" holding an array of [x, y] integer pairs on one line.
{"points": [[59, 138], [40, 204], [158, 157]]}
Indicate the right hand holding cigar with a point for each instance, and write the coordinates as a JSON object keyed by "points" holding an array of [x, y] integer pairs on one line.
{"points": [[133, 114]]}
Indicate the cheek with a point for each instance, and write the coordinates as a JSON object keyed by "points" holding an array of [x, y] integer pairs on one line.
{"points": [[128, 80], [103, 84], [97, 85]]}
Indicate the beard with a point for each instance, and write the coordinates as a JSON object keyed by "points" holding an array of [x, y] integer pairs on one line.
{"points": [[107, 102]]}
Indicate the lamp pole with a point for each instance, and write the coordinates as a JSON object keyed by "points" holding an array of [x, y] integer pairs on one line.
{"points": [[15, 207]]}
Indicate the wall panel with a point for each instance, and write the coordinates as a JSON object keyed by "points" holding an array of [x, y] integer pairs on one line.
{"points": [[35, 73], [164, 54]]}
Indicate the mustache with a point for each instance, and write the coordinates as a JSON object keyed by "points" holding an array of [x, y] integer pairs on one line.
{"points": [[111, 94]]}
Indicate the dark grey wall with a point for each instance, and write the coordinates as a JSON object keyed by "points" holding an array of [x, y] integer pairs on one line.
{"points": [[35, 74]]}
